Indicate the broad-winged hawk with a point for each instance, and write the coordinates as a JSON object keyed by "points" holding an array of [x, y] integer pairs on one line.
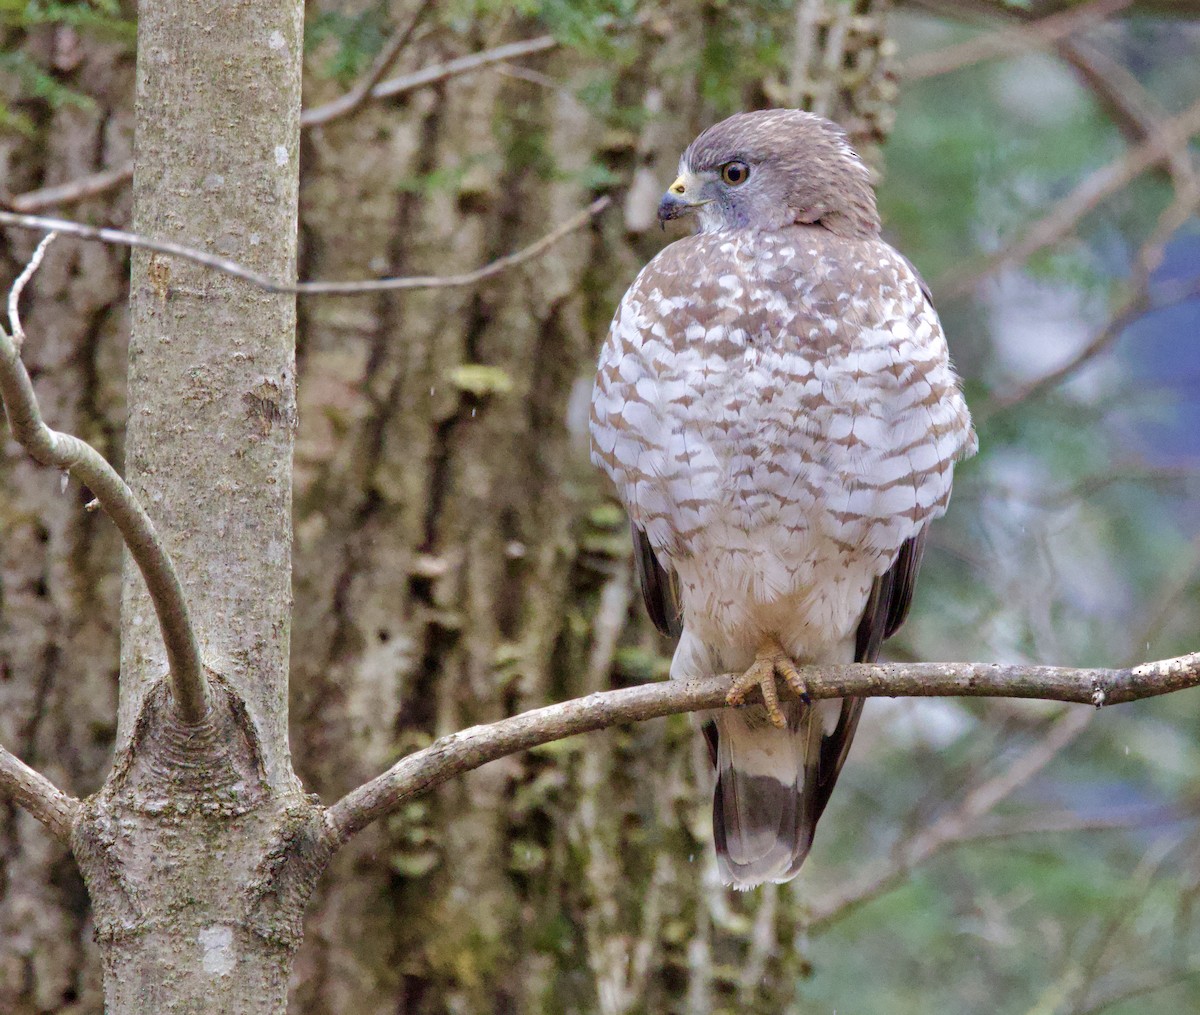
{"points": [[776, 407]]}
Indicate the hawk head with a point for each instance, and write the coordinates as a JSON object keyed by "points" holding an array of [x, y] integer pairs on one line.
{"points": [[773, 168]]}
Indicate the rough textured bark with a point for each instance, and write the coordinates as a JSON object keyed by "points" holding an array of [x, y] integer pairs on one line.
{"points": [[456, 560]]}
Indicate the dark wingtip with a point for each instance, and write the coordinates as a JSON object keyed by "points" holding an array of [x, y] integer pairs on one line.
{"points": [[658, 588]]}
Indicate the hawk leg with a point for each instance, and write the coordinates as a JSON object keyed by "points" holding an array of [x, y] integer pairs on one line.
{"points": [[771, 662]]}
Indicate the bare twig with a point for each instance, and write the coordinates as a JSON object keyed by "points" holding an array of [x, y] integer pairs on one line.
{"points": [[38, 795], [1133, 893], [74, 190], [1130, 104], [462, 65], [1138, 303], [1173, 135], [950, 829], [361, 92], [1145, 983], [107, 179], [428, 76], [1010, 40], [222, 264], [70, 454], [370, 87], [468, 749], [18, 287]]}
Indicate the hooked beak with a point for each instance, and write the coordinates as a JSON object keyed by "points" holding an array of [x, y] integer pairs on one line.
{"points": [[682, 197]]}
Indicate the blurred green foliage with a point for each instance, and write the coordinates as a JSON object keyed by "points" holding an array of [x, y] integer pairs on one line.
{"points": [[29, 77]]}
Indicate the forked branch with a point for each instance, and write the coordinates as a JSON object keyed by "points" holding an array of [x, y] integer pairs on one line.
{"points": [[71, 455], [468, 749]]}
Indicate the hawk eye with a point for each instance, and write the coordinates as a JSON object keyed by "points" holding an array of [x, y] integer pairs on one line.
{"points": [[735, 173]]}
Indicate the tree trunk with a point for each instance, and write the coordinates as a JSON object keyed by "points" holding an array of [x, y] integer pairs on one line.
{"points": [[175, 848]]}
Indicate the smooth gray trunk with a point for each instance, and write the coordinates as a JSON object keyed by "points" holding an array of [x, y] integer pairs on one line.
{"points": [[183, 846]]}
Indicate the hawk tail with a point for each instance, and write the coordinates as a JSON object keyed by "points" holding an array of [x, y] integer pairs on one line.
{"points": [[772, 786]]}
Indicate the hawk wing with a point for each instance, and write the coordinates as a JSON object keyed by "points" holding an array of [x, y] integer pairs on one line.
{"points": [[887, 609], [659, 587]]}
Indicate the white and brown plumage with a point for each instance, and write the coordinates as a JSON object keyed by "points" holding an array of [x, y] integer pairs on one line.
{"points": [[776, 407]]}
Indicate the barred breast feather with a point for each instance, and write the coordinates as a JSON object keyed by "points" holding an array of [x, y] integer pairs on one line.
{"points": [[779, 415]]}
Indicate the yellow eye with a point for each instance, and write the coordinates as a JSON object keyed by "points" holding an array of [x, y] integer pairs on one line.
{"points": [[735, 173]]}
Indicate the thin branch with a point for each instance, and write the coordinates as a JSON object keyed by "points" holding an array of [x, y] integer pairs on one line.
{"points": [[38, 795], [1127, 101], [18, 287], [950, 829], [73, 190], [1009, 41], [427, 76], [1137, 304], [69, 454], [361, 92], [119, 237], [1173, 135], [468, 749], [108, 179], [1146, 983], [462, 65]]}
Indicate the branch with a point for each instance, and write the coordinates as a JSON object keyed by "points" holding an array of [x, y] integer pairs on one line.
{"points": [[1173, 135], [38, 795], [1009, 41], [119, 237], [74, 190], [1132, 107], [1137, 304], [18, 287], [359, 94], [455, 68], [951, 829], [107, 179], [468, 749], [1144, 983], [70, 454]]}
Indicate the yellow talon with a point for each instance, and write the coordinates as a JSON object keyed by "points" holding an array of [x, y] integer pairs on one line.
{"points": [[770, 662]]}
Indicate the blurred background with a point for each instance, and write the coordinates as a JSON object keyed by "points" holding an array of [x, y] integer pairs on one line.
{"points": [[458, 560]]}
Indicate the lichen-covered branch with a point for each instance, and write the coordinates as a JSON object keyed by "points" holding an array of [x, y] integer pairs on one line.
{"points": [[38, 795], [71, 455], [468, 749], [119, 237]]}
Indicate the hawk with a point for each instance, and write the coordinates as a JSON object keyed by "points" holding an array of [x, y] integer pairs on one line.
{"points": [[776, 407]]}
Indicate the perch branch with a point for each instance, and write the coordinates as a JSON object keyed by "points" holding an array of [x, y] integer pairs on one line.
{"points": [[71, 455], [121, 238], [468, 749], [38, 795]]}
